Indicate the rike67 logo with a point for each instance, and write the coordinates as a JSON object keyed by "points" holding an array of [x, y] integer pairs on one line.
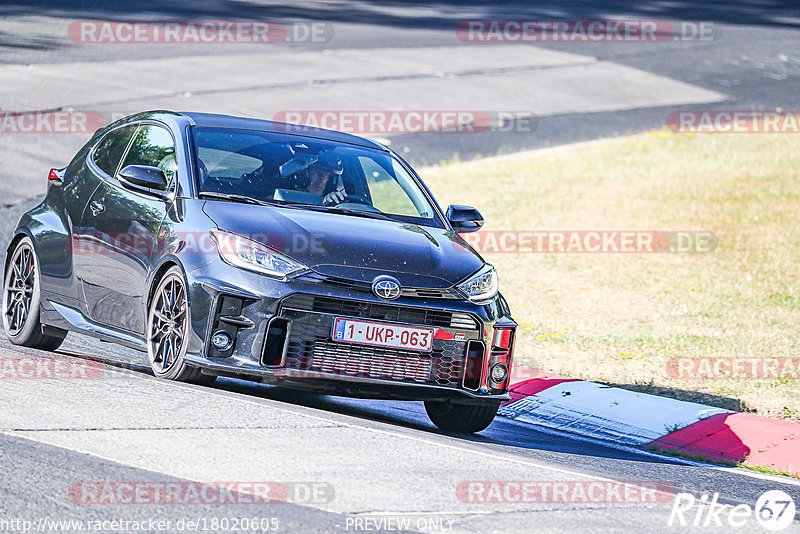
{"points": [[774, 511]]}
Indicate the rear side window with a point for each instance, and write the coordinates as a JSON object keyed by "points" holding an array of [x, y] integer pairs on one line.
{"points": [[152, 146], [110, 149]]}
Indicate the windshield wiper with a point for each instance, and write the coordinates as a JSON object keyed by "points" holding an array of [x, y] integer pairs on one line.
{"points": [[348, 211], [360, 213], [232, 197]]}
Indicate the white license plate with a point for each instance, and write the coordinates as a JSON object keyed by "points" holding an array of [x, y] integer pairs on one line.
{"points": [[382, 335]]}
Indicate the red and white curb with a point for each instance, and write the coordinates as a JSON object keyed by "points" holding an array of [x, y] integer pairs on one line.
{"points": [[603, 412]]}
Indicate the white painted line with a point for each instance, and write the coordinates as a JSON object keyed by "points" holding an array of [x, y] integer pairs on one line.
{"points": [[299, 412], [493, 455], [542, 428]]}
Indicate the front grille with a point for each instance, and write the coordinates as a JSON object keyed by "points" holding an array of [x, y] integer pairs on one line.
{"points": [[371, 362], [311, 349], [366, 287], [424, 293], [384, 312], [339, 282]]}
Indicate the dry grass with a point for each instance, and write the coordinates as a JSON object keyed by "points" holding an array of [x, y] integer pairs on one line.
{"points": [[618, 318]]}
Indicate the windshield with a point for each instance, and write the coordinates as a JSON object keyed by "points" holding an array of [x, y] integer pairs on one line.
{"points": [[309, 173]]}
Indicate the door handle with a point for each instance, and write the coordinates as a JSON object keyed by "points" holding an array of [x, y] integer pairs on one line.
{"points": [[97, 207]]}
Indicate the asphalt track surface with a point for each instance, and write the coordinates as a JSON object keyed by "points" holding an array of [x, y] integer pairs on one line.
{"points": [[753, 55], [376, 460]]}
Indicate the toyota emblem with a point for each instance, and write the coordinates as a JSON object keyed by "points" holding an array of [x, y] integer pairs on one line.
{"points": [[386, 288]]}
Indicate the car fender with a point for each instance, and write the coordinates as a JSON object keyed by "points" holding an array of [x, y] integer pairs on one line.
{"points": [[50, 233]]}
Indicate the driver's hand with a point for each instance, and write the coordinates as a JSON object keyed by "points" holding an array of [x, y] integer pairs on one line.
{"points": [[334, 197]]}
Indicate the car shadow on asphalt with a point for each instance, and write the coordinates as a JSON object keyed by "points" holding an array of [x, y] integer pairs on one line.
{"points": [[503, 432], [409, 414]]}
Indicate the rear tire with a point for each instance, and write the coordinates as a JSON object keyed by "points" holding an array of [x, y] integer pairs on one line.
{"points": [[22, 301], [466, 418], [167, 329]]}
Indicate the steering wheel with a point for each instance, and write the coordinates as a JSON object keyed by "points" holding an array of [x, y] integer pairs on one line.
{"points": [[203, 170], [353, 199]]}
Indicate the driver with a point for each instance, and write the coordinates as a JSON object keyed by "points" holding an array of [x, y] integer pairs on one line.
{"points": [[325, 179]]}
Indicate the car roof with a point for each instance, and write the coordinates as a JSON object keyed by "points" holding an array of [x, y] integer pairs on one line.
{"points": [[212, 120]]}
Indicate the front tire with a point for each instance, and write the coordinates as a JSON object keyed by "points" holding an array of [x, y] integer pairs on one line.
{"points": [[167, 330], [466, 418], [22, 301]]}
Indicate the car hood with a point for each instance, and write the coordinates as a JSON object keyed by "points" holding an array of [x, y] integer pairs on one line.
{"points": [[351, 247]]}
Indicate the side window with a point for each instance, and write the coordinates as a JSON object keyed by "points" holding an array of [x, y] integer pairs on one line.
{"points": [[227, 165], [152, 146], [110, 149], [387, 194]]}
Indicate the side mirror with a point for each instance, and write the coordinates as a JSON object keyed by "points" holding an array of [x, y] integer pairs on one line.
{"points": [[146, 180], [464, 219]]}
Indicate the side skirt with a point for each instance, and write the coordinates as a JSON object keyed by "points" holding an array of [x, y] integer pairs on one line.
{"points": [[75, 321]]}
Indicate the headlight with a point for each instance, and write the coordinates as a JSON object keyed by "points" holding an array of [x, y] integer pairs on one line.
{"points": [[247, 254], [482, 286]]}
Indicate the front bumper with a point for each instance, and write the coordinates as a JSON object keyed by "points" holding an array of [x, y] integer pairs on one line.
{"points": [[281, 334]]}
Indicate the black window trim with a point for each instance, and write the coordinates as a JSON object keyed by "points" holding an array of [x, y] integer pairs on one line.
{"points": [[114, 180], [90, 157], [440, 218]]}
